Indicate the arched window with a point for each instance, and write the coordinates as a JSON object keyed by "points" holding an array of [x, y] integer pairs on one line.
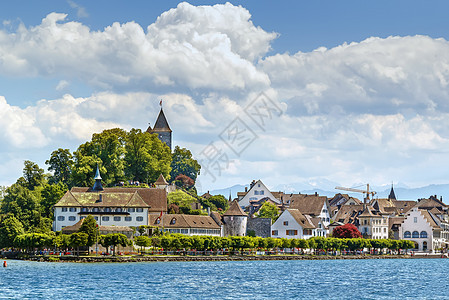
{"points": [[407, 235], [423, 234], [415, 234]]}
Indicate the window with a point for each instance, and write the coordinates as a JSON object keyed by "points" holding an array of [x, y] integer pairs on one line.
{"points": [[131, 209], [105, 218], [173, 221], [72, 209], [117, 219], [84, 209], [256, 192], [415, 220], [262, 192], [424, 246], [415, 234], [82, 217], [96, 218], [72, 218], [423, 235], [385, 230], [274, 232], [61, 218], [291, 232], [258, 185], [139, 209], [95, 209], [140, 219], [286, 223], [64, 208], [107, 209], [128, 219], [185, 231], [407, 235], [118, 209]]}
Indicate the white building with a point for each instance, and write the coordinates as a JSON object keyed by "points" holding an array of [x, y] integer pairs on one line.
{"points": [[257, 191], [292, 224], [373, 224], [187, 224], [109, 206], [425, 229]]}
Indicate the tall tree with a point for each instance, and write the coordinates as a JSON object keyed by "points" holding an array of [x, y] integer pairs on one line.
{"points": [[183, 163], [33, 175], [50, 195], [106, 149], [89, 227], [61, 163], [146, 157], [10, 227], [22, 204]]}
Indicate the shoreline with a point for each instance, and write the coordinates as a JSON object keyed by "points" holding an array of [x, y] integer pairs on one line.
{"points": [[180, 258]]}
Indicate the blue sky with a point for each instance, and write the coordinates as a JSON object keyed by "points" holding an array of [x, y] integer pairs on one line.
{"points": [[363, 86]]}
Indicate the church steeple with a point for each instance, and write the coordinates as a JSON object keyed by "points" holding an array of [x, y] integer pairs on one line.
{"points": [[97, 185], [162, 129], [392, 196]]}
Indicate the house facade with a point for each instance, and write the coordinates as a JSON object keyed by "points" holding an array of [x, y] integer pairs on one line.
{"points": [[187, 224], [292, 224], [427, 231], [256, 192]]}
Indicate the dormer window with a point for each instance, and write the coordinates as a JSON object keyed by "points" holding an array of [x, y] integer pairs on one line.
{"points": [[173, 221], [158, 220], [118, 209], [107, 209], [84, 209]]}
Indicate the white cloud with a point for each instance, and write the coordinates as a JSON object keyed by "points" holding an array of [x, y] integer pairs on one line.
{"points": [[205, 47], [62, 84]]}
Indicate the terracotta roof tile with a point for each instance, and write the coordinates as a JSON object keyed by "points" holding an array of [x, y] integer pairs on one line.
{"points": [[235, 210]]}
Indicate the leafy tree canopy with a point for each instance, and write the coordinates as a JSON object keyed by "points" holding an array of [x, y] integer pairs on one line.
{"points": [[346, 231], [10, 228], [89, 227], [61, 163], [269, 210], [183, 163]]}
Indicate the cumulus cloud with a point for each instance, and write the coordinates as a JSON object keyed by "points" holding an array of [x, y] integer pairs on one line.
{"points": [[188, 47], [380, 76]]}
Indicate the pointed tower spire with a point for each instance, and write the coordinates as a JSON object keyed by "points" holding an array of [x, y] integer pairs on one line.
{"points": [[230, 197], [392, 195], [97, 186], [162, 128]]}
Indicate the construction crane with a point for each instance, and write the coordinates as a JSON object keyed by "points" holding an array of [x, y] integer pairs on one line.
{"points": [[367, 191]]}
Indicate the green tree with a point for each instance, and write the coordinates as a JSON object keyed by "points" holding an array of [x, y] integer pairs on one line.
{"points": [[269, 210], [89, 227], [77, 240], [142, 241], [219, 201], [183, 163], [62, 241], [61, 163], [22, 204], [10, 228], [114, 239], [182, 200], [50, 195], [146, 157], [33, 175]]}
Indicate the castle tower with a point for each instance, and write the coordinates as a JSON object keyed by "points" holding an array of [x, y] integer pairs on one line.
{"points": [[235, 220], [162, 129]]}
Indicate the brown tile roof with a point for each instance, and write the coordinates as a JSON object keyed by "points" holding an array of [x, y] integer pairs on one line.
{"points": [[154, 199], [383, 205], [161, 180], [184, 221], [429, 203], [367, 212], [403, 206], [301, 219], [217, 217], [348, 213], [308, 204], [235, 210]]}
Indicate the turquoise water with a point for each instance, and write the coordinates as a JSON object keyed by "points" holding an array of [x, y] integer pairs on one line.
{"points": [[330, 279]]}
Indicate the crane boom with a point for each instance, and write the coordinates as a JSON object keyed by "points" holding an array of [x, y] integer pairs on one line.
{"points": [[367, 191]]}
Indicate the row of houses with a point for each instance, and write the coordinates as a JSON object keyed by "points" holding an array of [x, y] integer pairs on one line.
{"points": [[425, 222]]}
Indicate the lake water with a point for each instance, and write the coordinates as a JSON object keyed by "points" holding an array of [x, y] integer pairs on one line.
{"points": [[328, 279]]}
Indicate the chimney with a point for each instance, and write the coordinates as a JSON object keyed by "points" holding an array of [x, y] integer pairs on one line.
{"points": [[316, 194], [208, 211], [246, 189]]}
